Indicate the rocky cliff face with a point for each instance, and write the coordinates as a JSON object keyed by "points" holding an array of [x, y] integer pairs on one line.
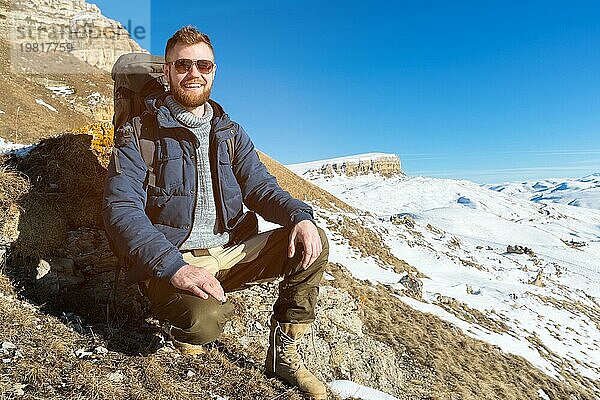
{"points": [[80, 27], [386, 165], [55, 58]]}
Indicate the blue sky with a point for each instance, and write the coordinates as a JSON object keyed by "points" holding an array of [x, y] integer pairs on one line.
{"points": [[483, 90]]}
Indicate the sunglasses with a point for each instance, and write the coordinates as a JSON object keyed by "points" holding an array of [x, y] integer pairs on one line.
{"points": [[183, 65]]}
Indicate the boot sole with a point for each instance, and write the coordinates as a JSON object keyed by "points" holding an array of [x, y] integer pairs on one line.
{"points": [[309, 396]]}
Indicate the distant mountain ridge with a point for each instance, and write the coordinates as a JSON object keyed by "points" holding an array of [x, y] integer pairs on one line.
{"points": [[581, 192], [383, 164]]}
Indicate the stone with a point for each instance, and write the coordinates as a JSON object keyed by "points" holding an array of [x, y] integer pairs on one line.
{"points": [[83, 353], [539, 279], [385, 165], [43, 269], [413, 285], [116, 377], [8, 346]]}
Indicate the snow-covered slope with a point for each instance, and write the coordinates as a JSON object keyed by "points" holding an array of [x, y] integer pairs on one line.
{"points": [[542, 304], [582, 192]]}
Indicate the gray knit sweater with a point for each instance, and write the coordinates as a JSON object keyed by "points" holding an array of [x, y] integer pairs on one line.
{"points": [[203, 234]]}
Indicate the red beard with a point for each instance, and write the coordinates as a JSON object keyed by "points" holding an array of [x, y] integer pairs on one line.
{"points": [[188, 99]]}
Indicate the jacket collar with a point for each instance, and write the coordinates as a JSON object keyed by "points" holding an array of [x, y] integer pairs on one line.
{"points": [[219, 122]]}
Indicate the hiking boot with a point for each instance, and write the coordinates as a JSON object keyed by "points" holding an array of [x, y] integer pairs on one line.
{"points": [[284, 362], [187, 349]]}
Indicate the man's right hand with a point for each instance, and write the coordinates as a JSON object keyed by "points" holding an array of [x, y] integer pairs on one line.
{"points": [[198, 281]]}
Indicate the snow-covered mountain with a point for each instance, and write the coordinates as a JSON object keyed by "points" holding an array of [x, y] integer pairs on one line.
{"points": [[515, 266], [582, 192]]}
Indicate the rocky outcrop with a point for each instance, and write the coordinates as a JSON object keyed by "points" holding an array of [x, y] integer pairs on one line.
{"points": [[78, 27], [385, 165]]}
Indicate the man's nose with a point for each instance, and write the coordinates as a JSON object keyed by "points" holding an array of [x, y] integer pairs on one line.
{"points": [[194, 71]]}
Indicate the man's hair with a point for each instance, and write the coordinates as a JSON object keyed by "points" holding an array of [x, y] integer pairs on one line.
{"points": [[188, 35]]}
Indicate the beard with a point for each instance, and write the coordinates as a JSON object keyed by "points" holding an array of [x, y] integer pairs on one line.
{"points": [[187, 99]]}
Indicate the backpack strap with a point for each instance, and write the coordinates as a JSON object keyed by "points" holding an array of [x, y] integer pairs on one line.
{"points": [[231, 148], [145, 129]]}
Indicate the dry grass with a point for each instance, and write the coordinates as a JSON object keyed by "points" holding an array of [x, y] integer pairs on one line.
{"points": [[24, 121], [463, 368], [50, 369], [466, 313], [67, 181], [301, 188], [13, 186], [369, 243]]}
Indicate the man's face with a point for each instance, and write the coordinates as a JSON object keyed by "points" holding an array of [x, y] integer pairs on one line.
{"points": [[191, 88]]}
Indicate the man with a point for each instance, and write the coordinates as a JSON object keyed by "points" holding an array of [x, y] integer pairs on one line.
{"points": [[184, 234]]}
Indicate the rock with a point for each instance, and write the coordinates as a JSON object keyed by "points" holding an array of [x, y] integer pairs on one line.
{"points": [[18, 389], [93, 38], [190, 373], [471, 290], [385, 165], [538, 280], [444, 299], [403, 219], [116, 377], [83, 353], [101, 350], [9, 351], [7, 346], [519, 250], [413, 285], [337, 336], [43, 268], [63, 265]]}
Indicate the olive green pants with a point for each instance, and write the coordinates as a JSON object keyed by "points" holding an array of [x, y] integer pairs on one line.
{"points": [[261, 258]]}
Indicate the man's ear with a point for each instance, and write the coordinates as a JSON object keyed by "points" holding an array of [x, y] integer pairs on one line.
{"points": [[165, 68]]}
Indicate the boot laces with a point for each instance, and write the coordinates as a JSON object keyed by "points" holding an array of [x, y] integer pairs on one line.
{"points": [[288, 349]]}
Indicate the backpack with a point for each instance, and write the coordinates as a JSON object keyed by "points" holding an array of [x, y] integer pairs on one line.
{"points": [[136, 76]]}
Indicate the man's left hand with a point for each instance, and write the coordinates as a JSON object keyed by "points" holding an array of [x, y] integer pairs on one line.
{"points": [[305, 232]]}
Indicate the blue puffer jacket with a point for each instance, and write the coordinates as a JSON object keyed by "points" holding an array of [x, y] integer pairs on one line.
{"points": [[146, 223]]}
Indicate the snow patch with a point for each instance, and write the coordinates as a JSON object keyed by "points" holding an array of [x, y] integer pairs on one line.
{"points": [[20, 150], [48, 106], [543, 394], [61, 90], [348, 389]]}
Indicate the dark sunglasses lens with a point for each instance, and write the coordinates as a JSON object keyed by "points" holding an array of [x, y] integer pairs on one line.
{"points": [[204, 66], [183, 65]]}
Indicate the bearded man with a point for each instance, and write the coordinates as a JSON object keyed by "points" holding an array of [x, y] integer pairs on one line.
{"points": [[184, 234]]}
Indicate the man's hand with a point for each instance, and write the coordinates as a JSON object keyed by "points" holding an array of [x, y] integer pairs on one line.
{"points": [[198, 281], [305, 232]]}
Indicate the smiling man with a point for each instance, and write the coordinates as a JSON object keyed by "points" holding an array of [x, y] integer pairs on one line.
{"points": [[180, 226]]}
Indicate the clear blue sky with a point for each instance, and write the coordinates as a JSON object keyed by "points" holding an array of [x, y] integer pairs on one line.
{"points": [[481, 90]]}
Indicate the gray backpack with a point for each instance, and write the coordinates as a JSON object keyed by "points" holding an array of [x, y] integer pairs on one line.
{"points": [[137, 76]]}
